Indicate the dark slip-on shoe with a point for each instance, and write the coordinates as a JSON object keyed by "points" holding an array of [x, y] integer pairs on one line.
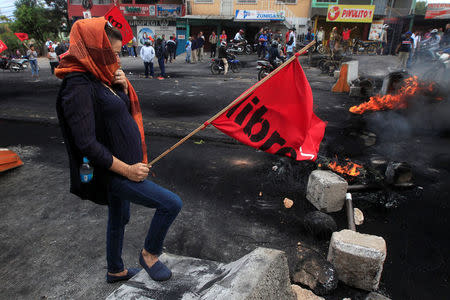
{"points": [[131, 273], [158, 272]]}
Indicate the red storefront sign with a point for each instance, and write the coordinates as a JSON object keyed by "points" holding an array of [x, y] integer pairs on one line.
{"points": [[140, 10], [438, 11]]}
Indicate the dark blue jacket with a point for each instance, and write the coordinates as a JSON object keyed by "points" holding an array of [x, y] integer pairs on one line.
{"points": [[96, 124]]}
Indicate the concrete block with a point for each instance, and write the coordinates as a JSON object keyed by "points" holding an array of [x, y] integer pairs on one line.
{"points": [[326, 190], [358, 258], [352, 73], [261, 274]]}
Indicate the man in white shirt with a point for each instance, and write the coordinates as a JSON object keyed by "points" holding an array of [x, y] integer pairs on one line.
{"points": [[239, 37], [292, 35], [320, 35], [147, 55]]}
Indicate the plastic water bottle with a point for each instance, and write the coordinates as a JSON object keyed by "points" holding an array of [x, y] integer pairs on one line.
{"points": [[86, 171]]}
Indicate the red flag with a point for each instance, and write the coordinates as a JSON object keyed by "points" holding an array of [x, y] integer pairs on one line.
{"points": [[277, 117], [115, 17], [22, 36], [3, 47]]}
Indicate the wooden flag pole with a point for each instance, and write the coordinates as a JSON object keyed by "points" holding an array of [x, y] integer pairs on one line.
{"points": [[245, 94]]}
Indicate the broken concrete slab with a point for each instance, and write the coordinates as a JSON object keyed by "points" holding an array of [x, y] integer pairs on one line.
{"points": [[358, 258], [304, 294], [261, 274], [376, 296], [326, 190]]}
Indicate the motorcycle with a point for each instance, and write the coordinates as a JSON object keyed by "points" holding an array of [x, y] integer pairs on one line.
{"points": [[360, 47], [242, 47], [217, 64], [265, 67], [439, 71], [19, 64], [14, 65]]}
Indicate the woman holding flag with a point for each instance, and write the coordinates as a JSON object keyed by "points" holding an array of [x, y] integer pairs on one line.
{"points": [[101, 120]]}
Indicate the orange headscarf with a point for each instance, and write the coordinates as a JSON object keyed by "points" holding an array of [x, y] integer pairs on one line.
{"points": [[90, 51]]}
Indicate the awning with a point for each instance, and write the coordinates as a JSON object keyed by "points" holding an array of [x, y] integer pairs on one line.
{"points": [[207, 17]]}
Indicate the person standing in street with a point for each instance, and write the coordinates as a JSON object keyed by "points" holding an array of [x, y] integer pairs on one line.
{"points": [[320, 35], [188, 47], [404, 49], [223, 56], [171, 49], [134, 45], [201, 44], [101, 121], [148, 54], [346, 38], [383, 39], [32, 58], [213, 41], [60, 49], [194, 48], [159, 52], [223, 37], [256, 41], [263, 44], [333, 39], [53, 59]]}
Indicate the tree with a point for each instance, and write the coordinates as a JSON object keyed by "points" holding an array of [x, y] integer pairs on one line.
{"points": [[8, 37], [421, 8], [33, 18], [59, 13]]}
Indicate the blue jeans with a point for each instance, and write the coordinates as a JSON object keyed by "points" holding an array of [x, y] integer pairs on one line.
{"points": [[161, 66], [188, 55], [148, 65], [34, 67], [146, 193]]}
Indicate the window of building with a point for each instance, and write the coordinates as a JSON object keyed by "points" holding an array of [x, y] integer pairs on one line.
{"points": [[323, 3], [204, 1], [97, 2], [145, 1], [246, 1], [287, 1]]}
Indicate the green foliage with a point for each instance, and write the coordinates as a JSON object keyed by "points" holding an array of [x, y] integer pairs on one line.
{"points": [[8, 37], [33, 18], [421, 8]]}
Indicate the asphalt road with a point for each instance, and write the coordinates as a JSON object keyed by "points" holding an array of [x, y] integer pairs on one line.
{"points": [[53, 245]]}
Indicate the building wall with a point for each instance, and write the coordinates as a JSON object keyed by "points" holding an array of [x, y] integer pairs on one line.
{"points": [[300, 9]]}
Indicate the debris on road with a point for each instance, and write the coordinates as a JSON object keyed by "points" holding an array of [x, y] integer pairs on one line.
{"points": [[288, 202]]}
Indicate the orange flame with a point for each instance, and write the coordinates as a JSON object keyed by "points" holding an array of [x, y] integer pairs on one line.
{"points": [[410, 87], [349, 169]]}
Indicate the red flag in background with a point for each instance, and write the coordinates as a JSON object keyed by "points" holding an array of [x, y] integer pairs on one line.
{"points": [[22, 36], [277, 117], [115, 17], [3, 47]]}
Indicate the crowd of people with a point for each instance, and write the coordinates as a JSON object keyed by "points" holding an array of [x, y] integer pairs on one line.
{"points": [[430, 41]]}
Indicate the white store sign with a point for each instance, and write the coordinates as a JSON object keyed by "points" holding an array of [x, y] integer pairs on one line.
{"points": [[259, 15]]}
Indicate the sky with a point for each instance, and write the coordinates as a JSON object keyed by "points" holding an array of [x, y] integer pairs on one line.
{"points": [[7, 6]]}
